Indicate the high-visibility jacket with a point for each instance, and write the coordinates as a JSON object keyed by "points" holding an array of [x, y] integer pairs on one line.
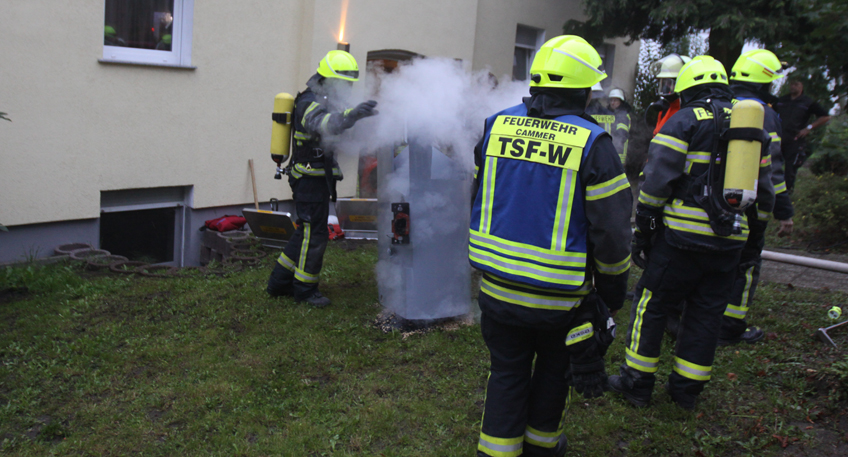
{"points": [[679, 154], [530, 233], [621, 132], [314, 118], [602, 115]]}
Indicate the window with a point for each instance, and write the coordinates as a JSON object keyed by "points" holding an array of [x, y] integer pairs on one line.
{"points": [[607, 52], [156, 32], [527, 41]]}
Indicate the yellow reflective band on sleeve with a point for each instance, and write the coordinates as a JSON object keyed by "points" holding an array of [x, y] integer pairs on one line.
{"points": [[500, 447], [613, 268], [299, 170], [539, 141], [641, 306], [311, 108], [780, 187], [302, 136], [650, 200], [605, 189], [286, 262], [528, 251], [774, 137], [624, 127], [763, 216], [641, 362], [542, 439], [476, 169], [529, 300], [567, 184], [766, 161], [671, 143], [488, 194], [691, 370], [324, 123], [693, 157], [580, 333]]}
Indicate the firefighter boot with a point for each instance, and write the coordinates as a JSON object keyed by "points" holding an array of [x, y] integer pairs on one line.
{"points": [[751, 335], [635, 388], [317, 300], [681, 399], [280, 282]]}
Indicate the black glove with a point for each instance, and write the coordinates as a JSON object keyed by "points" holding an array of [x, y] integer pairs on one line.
{"points": [[589, 379], [640, 248], [799, 159], [361, 111]]}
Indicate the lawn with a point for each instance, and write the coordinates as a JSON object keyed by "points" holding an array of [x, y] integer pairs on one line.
{"points": [[104, 364]]}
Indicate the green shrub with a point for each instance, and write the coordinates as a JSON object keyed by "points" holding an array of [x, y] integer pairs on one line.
{"points": [[831, 154], [822, 204]]}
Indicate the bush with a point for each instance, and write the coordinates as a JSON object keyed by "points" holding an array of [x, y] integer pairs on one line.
{"points": [[831, 154], [821, 202]]}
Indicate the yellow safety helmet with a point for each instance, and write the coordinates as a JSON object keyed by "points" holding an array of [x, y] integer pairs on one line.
{"points": [[757, 66], [700, 70], [566, 61], [340, 65], [669, 66]]}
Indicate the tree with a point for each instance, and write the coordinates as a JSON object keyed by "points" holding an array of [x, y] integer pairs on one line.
{"points": [[729, 23], [808, 34]]}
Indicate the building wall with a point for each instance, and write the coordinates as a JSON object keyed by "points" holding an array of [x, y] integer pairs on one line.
{"points": [[81, 126]]}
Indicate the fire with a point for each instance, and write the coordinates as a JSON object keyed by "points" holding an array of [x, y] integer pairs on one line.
{"points": [[344, 19]]}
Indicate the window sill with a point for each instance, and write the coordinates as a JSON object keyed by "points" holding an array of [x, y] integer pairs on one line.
{"points": [[143, 64]]}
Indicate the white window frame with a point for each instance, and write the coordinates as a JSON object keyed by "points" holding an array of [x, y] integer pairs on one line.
{"points": [[540, 40], [178, 56]]}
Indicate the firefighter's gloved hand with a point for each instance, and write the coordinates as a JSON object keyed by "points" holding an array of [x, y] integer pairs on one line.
{"points": [[361, 111], [640, 248], [589, 379]]}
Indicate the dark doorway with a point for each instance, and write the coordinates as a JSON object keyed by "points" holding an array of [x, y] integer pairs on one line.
{"points": [[146, 235]]}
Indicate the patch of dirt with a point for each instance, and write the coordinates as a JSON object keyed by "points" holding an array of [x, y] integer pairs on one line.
{"points": [[388, 322], [13, 294]]}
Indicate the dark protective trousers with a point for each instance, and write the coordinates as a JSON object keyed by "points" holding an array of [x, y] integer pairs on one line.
{"points": [[793, 158], [734, 321], [300, 263], [704, 280], [524, 403]]}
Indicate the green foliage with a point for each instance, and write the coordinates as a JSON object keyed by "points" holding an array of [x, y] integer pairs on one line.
{"points": [[831, 153], [821, 202], [40, 279]]}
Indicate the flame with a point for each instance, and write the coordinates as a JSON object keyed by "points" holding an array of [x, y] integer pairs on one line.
{"points": [[344, 19]]}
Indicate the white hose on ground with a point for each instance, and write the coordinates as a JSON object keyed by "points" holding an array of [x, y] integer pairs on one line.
{"points": [[806, 261]]}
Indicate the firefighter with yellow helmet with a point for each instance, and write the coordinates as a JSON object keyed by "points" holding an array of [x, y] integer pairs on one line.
{"points": [[318, 119], [751, 79], [553, 264], [693, 218]]}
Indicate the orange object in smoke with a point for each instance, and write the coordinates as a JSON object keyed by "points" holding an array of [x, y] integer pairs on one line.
{"points": [[400, 223]]}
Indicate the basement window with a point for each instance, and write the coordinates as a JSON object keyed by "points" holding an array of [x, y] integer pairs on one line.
{"points": [[148, 32], [145, 235]]}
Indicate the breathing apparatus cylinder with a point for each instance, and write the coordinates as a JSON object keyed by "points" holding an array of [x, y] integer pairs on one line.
{"points": [[743, 154], [281, 129]]}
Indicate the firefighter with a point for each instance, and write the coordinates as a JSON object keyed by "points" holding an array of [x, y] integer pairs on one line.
{"points": [[313, 173], [751, 79], [549, 231], [689, 247], [661, 110], [621, 126], [599, 111]]}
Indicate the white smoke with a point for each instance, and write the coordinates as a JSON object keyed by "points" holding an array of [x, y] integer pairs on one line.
{"points": [[440, 103]]}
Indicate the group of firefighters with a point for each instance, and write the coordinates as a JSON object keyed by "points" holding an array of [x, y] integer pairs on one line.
{"points": [[551, 229]]}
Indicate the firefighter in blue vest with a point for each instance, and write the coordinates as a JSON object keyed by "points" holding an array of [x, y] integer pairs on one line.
{"points": [[689, 247], [313, 173], [751, 79], [549, 230]]}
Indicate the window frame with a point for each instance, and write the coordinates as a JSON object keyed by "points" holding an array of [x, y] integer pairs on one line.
{"points": [[181, 41], [540, 40]]}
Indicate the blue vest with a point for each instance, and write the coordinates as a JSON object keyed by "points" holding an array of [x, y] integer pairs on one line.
{"points": [[528, 223]]}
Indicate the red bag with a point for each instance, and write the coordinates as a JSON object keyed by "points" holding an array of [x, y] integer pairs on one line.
{"points": [[226, 223]]}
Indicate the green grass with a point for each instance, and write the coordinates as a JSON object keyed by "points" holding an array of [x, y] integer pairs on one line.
{"points": [[106, 364]]}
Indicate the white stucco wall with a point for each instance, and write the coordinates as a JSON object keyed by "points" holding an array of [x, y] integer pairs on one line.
{"points": [[80, 127]]}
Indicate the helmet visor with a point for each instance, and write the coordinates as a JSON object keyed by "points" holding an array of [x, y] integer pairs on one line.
{"points": [[348, 73], [666, 86]]}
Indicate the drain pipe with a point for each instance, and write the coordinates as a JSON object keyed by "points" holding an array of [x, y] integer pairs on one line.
{"points": [[806, 261]]}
